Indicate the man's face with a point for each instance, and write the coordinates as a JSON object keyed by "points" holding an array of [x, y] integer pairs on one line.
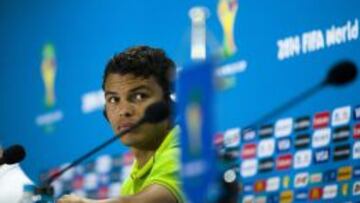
{"points": [[127, 98]]}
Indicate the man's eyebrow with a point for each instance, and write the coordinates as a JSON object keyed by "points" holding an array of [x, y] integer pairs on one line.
{"points": [[141, 87], [110, 93]]}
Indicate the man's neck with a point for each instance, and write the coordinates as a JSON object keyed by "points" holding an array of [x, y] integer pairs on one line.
{"points": [[142, 156], [144, 153]]}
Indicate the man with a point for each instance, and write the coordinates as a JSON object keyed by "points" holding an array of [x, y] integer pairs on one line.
{"points": [[12, 181], [133, 80]]}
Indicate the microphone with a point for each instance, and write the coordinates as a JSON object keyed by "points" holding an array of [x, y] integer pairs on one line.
{"points": [[12, 155], [155, 113], [342, 73]]}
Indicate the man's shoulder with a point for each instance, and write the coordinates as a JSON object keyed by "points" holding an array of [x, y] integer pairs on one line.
{"points": [[170, 143]]}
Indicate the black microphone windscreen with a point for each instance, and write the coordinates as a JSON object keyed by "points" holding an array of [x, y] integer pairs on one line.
{"points": [[156, 112], [14, 154], [341, 73]]}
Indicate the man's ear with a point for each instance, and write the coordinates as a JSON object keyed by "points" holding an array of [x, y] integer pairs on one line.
{"points": [[171, 102]]}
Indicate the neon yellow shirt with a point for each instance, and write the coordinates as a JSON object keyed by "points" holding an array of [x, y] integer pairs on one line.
{"points": [[163, 168]]}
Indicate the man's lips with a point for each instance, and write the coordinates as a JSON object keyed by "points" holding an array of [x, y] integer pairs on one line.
{"points": [[123, 127]]}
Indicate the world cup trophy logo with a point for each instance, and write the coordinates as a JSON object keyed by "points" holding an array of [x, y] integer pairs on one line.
{"points": [[194, 121], [226, 11], [48, 73]]}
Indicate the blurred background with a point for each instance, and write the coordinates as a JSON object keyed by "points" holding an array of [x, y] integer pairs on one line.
{"points": [[53, 53]]}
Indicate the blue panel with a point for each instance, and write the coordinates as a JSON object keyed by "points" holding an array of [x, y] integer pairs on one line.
{"points": [[271, 51]]}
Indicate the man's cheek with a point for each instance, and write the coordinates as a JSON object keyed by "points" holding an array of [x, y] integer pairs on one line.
{"points": [[113, 125]]}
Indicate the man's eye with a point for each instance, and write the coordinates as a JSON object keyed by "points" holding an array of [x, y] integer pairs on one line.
{"points": [[112, 100], [139, 97]]}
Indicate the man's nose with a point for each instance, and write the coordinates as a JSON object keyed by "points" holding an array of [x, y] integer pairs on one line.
{"points": [[125, 110]]}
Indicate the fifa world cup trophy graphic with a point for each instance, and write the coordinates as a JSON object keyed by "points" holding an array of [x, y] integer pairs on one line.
{"points": [[193, 117], [226, 11], [48, 73]]}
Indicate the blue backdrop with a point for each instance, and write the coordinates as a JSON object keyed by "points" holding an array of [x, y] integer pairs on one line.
{"points": [[282, 48]]}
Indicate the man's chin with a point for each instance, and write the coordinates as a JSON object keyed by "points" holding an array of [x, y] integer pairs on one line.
{"points": [[127, 140]]}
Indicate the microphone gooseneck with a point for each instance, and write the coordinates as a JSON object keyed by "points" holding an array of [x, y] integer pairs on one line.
{"points": [[340, 74], [155, 113]]}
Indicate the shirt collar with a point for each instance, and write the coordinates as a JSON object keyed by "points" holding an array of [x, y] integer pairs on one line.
{"points": [[171, 140]]}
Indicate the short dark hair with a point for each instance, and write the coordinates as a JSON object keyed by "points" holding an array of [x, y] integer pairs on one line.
{"points": [[143, 61]]}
